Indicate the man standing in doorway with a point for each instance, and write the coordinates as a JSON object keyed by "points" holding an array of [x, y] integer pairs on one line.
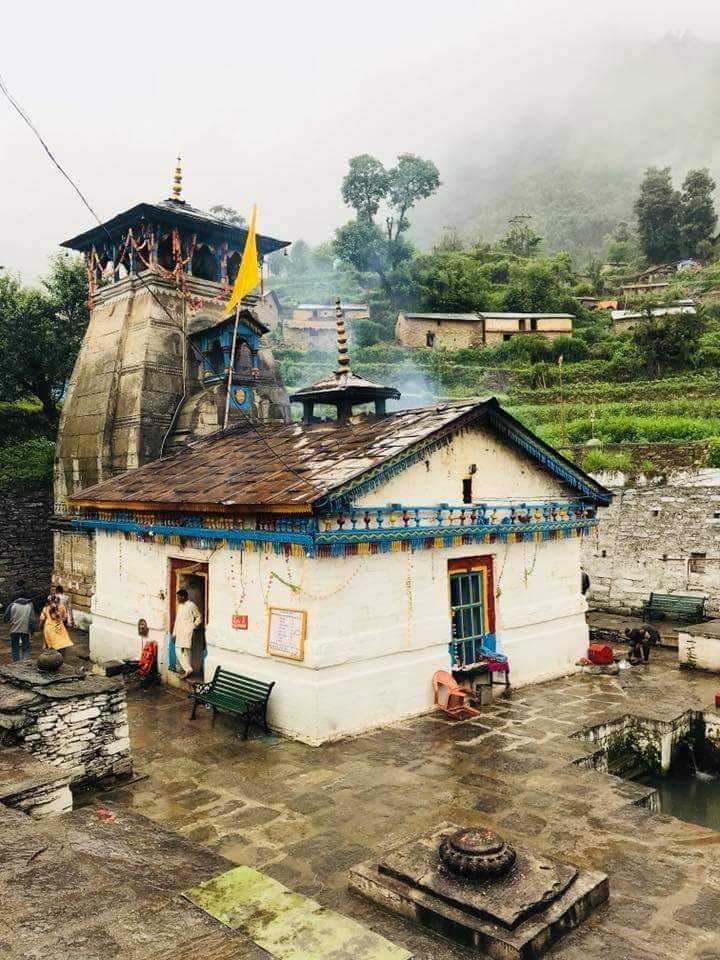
{"points": [[187, 618]]}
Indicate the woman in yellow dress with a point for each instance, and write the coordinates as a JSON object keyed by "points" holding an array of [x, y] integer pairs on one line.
{"points": [[52, 620]]}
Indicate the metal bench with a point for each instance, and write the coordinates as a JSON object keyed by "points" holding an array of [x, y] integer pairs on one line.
{"points": [[678, 606], [235, 694]]}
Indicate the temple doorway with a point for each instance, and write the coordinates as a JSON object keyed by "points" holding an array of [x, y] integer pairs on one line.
{"points": [[193, 577]]}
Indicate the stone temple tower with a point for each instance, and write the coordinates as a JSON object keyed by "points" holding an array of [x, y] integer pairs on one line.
{"points": [[153, 371]]}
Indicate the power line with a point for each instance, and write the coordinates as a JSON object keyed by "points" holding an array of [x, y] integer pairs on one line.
{"points": [[16, 106]]}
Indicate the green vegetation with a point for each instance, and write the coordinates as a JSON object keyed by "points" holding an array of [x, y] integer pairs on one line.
{"points": [[40, 333], [713, 452], [597, 461], [28, 462]]}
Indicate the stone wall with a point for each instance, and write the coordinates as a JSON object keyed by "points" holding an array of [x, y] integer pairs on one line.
{"points": [[661, 535], [67, 719], [26, 546]]}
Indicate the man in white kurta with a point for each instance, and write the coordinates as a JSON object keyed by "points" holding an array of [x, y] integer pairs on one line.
{"points": [[187, 618]]}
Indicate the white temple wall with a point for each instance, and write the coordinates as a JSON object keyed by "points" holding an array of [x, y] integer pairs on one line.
{"points": [[377, 626], [503, 473]]}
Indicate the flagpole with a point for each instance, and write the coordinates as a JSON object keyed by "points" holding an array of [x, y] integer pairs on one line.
{"points": [[232, 365]]}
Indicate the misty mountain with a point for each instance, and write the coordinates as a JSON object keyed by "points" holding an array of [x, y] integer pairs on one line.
{"points": [[573, 154]]}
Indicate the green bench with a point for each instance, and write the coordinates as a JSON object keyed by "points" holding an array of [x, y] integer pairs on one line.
{"points": [[678, 606], [235, 694]]}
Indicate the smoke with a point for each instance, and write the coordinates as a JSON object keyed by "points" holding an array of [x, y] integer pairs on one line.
{"points": [[415, 386]]}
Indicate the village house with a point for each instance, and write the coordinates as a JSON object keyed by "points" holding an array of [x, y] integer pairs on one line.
{"points": [[453, 331], [312, 325], [356, 555], [499, 327], [268, 310], [623, 320]]}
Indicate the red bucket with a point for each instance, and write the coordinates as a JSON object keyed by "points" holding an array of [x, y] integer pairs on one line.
{"points": [[600, 654]]}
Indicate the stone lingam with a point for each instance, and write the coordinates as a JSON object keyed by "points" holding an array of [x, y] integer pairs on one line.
{"points": [[473, 887]]}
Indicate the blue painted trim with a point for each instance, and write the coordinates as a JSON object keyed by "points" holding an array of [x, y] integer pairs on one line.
{"points": [[566, 473], [427, 532], [201, 533]]}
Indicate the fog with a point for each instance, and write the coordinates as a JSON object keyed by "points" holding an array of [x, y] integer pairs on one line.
{"points": [[266, 103]]}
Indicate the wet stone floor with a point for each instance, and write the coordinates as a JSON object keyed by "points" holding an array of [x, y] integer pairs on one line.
{"points": [[305, 815]]}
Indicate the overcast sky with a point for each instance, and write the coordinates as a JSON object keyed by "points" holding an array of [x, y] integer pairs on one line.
{"points": [[266, 102]]}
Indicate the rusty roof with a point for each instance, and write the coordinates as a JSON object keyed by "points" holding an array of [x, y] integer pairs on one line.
{"points": [[294, 466], [272, 464]]}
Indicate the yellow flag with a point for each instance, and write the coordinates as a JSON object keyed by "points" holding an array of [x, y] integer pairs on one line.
{"points": [[248, 276]]}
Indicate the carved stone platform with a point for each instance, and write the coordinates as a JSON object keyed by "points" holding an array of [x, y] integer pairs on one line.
{"points": [[513, 917]]}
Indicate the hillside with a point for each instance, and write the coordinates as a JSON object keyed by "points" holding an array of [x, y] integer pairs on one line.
{"points": [[573, 155]]}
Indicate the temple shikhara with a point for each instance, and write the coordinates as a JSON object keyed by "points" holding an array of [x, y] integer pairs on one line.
{"points": [[345, 554]]}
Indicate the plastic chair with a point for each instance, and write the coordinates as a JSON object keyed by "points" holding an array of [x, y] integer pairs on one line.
{"points": [[452, 702]]}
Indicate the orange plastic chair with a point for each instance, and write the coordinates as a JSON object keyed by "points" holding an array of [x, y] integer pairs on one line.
{"points": [[451, 702]]}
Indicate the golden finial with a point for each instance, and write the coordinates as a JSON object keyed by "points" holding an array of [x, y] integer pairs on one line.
{"points": [[343, 357], [177, 181]]}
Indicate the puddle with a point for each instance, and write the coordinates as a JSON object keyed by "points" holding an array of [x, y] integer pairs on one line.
{"points": [[677, 761], [681, 795]]}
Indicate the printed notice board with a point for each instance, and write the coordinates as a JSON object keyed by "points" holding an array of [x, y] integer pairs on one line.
{"points": [[286, 633]]}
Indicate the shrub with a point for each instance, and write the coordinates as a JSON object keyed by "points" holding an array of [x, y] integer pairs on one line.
{"points": [[598, 461], [27, 461], [712, 457]]}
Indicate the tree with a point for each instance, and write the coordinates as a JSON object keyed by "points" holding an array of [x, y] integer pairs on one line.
{"points": [[668, 341], [230, 214], [41, 331], [365, 185], [697, 212], [412, 179], [453, 282], [450, 241], [521, 239], [658, 215], [362, 243], [622, 247]]}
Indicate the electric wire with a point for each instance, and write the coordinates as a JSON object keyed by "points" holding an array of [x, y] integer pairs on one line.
{"points": [[24, 116]]}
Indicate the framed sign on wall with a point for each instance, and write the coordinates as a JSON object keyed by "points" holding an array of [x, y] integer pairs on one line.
{"points": [[286, 633]]}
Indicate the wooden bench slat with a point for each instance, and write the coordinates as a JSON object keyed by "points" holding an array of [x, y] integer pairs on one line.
{"points": [[668, 603]]}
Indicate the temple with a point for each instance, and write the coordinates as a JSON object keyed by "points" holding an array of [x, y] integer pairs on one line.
{"points": [[153, 372], [348, 557]]}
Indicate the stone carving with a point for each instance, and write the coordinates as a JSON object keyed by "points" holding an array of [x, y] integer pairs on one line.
{"points": [[475, 853]]}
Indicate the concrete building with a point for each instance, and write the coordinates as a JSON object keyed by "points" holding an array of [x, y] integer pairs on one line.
{"points": [[312, 325], [453, 331], [152, 371], [349, 560]]}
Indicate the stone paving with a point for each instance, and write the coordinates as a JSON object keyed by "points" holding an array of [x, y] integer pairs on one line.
{"points": [[304, 815]]}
